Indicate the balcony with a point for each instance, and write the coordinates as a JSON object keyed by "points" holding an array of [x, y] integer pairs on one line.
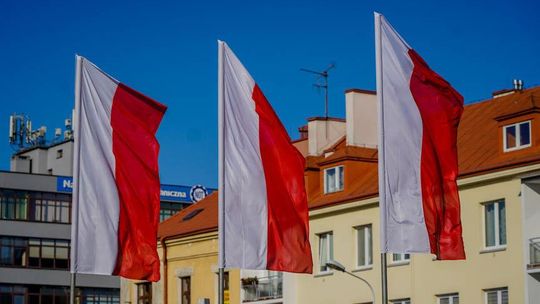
{"points": [[534, 255], [268, 289]]}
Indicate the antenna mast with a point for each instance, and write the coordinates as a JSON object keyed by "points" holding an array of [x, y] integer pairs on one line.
{"points": [[324, 85]]}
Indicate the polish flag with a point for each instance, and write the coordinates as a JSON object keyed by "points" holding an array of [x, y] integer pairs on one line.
{"points": [[116, 181], [419, 114], [263, 204]]}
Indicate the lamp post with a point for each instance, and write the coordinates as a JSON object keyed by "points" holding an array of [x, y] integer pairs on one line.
{"points": [[339, 267]]}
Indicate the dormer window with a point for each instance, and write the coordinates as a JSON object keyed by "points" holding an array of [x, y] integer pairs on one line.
{"points": [[517, 136], [333, 179]]}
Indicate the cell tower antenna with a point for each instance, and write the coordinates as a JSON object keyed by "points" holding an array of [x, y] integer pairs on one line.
{"points": [[323, 75]]}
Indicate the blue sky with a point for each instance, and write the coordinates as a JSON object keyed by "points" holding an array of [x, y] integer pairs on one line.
{"points": [[168, 50]]}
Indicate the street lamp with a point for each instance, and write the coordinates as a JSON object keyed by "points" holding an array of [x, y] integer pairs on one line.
{"points": [[339, 267]]}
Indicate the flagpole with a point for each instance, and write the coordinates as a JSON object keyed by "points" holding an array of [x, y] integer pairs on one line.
{"points": [[378, 64], [74, 198], [221, 188]]}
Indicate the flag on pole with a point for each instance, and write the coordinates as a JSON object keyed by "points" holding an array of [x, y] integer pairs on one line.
{"points": [[419, 113], [116, 181], [264, 213]]}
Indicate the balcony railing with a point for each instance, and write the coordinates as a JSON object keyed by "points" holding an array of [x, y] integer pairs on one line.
{"points": [[261, 289], [534, 253]]}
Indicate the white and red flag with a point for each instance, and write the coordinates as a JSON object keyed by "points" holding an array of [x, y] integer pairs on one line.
{"points": [[419, 113], [116, 181], [263, 204]]}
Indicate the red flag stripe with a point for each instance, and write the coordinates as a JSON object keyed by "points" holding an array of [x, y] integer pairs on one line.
{"points": [[134, 120], [288, 246], [440, 107]]}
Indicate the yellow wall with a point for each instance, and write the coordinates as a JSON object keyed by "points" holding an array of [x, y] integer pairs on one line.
{"points": [[423, 278], [194, 256]]}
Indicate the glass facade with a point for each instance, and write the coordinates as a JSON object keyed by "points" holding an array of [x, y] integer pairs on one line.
{"points": [[34, 253], [35, 206], [33, 294]]}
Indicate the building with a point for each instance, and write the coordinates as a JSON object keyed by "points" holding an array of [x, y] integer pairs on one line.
{"points": [[35, 230], [499, 165], [188, 248], [499, 183]]}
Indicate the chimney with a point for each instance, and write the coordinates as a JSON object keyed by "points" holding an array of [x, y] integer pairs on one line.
{"points": [[518, 84], [517, 87], [361, 114], [323, 132], [303, 130]]}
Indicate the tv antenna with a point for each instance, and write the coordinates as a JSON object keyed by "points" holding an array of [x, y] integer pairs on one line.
{"points": [[322, 83]]}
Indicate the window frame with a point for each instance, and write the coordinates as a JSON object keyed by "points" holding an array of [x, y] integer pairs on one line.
{"points": [[368, 250], [518, 136], [402, 261], [496, 223], [499, 292], [340, 172], [329, 251], [146, 296], [401, 301], [56, 245], [35, 206], [182, 291], [451, 296]]}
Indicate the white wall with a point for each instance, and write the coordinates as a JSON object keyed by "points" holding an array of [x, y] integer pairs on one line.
{"points": [[530, 196]]}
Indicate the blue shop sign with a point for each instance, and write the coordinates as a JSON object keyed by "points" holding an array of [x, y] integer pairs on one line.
{"points": [[64, 184], [170, 193]]}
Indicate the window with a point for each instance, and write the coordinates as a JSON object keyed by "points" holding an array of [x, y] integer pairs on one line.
{"points": [[185, 283], [59, 153], [517, 136], [400, 258], [401, 301], [12, 294], [495, 224], [34, 253], [448, 299], [97, 296], [58, 295], [35, 206], [13, 251], [144, 293], [497, 296], [326, 250], [364, 246], [52, 208], [14, 205], [333, 179]]}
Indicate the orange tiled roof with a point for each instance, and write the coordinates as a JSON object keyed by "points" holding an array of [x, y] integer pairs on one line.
{"points": [[204, 221], [479, 148]]}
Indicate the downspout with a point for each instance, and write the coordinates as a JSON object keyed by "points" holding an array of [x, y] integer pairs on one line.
{"points": [[165, 274]]}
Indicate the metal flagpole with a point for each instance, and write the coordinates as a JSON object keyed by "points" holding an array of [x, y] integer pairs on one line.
{"points": [[74, 198], [378, 64], [384, 278], [221, 188]]}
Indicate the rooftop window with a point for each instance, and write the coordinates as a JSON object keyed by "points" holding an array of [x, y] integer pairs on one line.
{"points": [[517, 136], [191, 215], [333, 179]]}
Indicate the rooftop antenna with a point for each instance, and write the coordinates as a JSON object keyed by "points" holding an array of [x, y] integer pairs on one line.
{"points": [[323, 75]]}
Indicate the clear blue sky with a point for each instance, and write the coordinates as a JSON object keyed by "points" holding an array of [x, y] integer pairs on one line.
{"points": [[168, 50]]}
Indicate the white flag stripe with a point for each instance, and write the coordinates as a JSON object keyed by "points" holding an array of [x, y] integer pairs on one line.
{"points": [[401, 198], [96, 219], [245, 205]]}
